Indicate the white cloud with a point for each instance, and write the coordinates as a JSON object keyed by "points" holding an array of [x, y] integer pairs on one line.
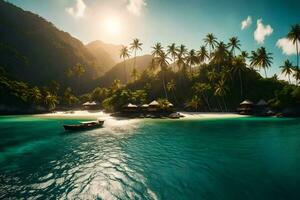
{"points": [[284, 77], [77, 10], [136, 6], [246, 23], [262, 31], [287, 46]]}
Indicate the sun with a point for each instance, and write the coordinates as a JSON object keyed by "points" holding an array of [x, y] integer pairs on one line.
{"points": [[112, 25]]}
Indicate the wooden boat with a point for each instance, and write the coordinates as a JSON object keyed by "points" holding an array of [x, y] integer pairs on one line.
{"points": [[84, 126]]}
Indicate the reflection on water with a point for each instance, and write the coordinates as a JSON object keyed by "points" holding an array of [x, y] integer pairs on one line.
{"points": [[242, 158]]}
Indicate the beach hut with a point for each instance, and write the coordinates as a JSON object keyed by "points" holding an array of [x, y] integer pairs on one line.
{"points": [[130, 108], [91, 105], [153, 106], [246, 107], [144, 107]]}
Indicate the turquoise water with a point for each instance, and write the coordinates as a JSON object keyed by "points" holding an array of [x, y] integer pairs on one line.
{"points": [[242, 158]]}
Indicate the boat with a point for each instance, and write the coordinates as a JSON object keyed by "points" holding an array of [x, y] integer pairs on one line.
{"points": [[84, 126]]}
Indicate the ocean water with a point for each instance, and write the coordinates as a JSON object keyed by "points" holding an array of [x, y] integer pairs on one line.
{"points": [[233, 158]]}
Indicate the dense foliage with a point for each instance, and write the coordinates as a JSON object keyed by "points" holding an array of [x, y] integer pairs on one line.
{"points": [[55, 70], [35, 51]]}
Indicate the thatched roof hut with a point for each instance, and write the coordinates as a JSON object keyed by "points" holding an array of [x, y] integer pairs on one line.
{"points": [[246, 107], [91, 105], [130, 105], [246, 102], [130, 108], [154, 104]]}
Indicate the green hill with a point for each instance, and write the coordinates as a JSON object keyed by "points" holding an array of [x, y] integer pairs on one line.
{"points": [[107, 55], [34, 50], [117, 72]]}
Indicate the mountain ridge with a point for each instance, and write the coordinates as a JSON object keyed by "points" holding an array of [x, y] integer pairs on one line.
{"points": [[34, 50]]}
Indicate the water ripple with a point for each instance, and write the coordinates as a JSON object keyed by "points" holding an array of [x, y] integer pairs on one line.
{"points": [[154, 160]]}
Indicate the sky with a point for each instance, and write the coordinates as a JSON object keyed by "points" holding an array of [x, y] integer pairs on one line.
{"points": [[256, 23]]}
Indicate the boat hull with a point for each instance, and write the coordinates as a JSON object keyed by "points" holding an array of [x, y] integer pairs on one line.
{"points": [[82, 127]]}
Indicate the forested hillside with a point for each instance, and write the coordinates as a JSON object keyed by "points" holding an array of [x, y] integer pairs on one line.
{"points": [[34, 50]]}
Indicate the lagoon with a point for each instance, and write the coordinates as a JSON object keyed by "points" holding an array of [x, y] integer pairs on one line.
{"points": [[192, 158]]}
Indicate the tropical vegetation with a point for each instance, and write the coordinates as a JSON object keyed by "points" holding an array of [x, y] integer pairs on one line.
{"points": [[216, 77]]}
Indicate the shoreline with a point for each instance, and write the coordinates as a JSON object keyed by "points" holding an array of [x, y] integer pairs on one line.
{"points": [[84, 114]]}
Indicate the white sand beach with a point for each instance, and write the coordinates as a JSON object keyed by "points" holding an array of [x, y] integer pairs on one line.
{"points": [[84, 114]]}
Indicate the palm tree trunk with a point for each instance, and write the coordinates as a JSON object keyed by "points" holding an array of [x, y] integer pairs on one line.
{"points": [[265, 72], [134, 61], [206, 100], [125, 71], [174, 96], [241, 83], [174, 63], [297, 54], [219, 105], [289, 79], [164, 85]]}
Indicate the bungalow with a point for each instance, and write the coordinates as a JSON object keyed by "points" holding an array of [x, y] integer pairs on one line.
{"points": [[91, 105], [130, 108], [144, 107], [245, 108], [153, 106]]}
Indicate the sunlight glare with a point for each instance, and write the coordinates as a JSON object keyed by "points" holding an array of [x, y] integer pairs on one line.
{"points": [[112, 25]]}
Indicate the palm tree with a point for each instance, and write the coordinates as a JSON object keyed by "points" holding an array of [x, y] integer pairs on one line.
{"points": [[287, 69], [245, 56], [294, 36], [234, 43], [261, 59], [134, 74], [239, 65], [157, 49], [171, 86], [220, 55], [212, 75], [221, 91], [172, 50], [194, 103], [203, 54], [124, 53], [296, 75], [202, 89], [135, 45], [192, 59], [35, 95], [162, 61], [50, 100], [116, 85], [182, 51], [211, 41]]}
